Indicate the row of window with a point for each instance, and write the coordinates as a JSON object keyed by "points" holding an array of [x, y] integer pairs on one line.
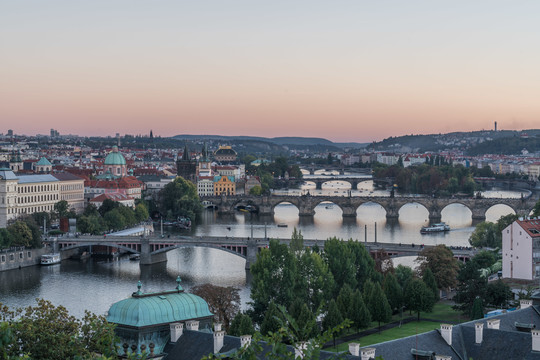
{"points": [[72, 187], [37, 198], [11, 257], [37, 188]]}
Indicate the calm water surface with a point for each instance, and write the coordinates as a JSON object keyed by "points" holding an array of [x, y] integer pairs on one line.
{"points": [[96, 285]]}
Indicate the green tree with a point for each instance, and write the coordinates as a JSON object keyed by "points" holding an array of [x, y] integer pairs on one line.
{"points": [[470, 285], [271, 321], [107, 205], [485, 235], [359, 314], [257, 190], [403, 275], [376, 303], [305, 320], [20, 234], [419, 297], [477, 311], [341, 263], [536, 209], [141, 212], [241, 325], [179, 198], [344, 302], [91, 224], [431, 283], [274, 276], [332, 318], [115, 220], [61, 208], [49, 333], [484, 259], [313, 282], [297, 241], [5, 239], [393, 291], [440, 260], [498, 293]]}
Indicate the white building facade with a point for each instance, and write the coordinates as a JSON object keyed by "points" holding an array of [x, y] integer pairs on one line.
{"points": [[521, 250]]}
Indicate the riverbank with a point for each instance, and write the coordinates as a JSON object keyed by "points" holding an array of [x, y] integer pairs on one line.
{"points": [[20, 257]]}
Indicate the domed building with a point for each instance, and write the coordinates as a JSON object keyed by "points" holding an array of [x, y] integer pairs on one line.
{"points": [[144, 320], [115, 164], [225, 154]]}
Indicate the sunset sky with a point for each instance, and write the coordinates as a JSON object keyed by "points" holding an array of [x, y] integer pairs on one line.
{"points": [[344, 70]]}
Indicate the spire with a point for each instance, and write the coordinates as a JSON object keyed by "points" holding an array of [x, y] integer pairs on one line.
{"points": [[204, 154], [186, 156]]}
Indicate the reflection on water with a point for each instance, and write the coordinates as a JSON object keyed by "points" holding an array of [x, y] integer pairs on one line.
{"points": [[96, 285]]}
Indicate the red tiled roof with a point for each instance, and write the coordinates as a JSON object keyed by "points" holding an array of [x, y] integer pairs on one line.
{"points": [[532, 227]]}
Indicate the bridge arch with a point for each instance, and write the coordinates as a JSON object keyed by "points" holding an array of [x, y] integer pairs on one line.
{"points": [[412, 211], [221, 248], [135, 250], [495, 211], [460, 212], [371, 207]]}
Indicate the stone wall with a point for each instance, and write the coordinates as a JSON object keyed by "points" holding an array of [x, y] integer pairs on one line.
{"points": [[20, 257]]}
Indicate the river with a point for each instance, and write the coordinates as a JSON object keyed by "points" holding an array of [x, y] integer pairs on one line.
{"points": [[95, 285]]}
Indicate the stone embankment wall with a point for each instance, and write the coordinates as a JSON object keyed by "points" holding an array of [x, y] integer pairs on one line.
{"points": [[16, 258]]}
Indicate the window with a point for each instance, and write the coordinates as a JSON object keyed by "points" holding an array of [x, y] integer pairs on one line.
{"points": [[20, 255], [29, 254], [3, 258]]}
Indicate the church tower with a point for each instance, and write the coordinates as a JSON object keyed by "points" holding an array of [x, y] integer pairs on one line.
{"points": [[186, 167]]}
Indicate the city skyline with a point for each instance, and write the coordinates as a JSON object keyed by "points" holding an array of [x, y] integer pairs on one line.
{"points": [[344, 71]]}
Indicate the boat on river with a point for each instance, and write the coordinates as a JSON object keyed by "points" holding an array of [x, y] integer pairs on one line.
{"points": [[50, 259], [435, 228]]}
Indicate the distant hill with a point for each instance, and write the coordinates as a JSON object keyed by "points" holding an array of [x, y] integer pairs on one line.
{"points": [[286, 142]]}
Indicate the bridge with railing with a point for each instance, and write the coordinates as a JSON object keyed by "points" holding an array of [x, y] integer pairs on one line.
{"points": [[265, 205], [153, 249]]}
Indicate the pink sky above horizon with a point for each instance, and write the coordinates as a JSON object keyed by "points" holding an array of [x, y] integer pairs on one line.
{"points": [[345, 71]]}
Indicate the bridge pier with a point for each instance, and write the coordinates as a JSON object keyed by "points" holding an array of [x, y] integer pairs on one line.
{"points": [[146, 257], [251, 253], [349, 212], [392, 212]]}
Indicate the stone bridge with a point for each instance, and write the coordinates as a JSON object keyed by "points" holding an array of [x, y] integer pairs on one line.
{"points": [[320, 180], [265, 205], [154, 249]]}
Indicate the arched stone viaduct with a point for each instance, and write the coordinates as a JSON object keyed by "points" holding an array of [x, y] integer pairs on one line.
{"points": [[306, 204]]}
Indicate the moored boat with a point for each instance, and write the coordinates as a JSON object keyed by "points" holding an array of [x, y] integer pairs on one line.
{"points": [[50, 259], [435, 228]]}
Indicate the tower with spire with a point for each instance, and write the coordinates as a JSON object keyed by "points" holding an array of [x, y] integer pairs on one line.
{"points": [[185, 166]]}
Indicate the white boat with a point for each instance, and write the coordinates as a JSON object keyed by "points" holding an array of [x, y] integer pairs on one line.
{"points": [[50, 259], [439, 227]]}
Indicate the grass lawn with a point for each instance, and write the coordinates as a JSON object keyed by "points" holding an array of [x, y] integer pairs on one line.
{"points": [[409, 329], [442, 312]]}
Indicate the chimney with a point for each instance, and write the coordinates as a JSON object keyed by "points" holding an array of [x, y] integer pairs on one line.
{"points": [[523, 304], [479, 327], [192, 325], [443, 357], [535, 340], [354, 349], [177, 329], [367, 353], [218, 340], [494, 324], [299, 350], [446, 333], [245, 340], [217, 326]]}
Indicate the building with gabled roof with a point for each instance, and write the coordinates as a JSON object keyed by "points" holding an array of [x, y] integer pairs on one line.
{"points": [[521, 249]]}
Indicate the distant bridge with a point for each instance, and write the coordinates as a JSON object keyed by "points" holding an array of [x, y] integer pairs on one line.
{"points": [[154, 249], [265, 205]]}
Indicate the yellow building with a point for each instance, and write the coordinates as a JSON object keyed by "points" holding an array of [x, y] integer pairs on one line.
{"points": [[224, 185]]}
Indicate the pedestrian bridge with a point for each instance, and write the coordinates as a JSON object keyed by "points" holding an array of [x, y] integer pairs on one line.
{"points": [[154, 249], [265, 205]]}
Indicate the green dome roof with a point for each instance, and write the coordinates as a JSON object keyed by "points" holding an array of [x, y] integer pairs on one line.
{"points": [[43, 162], [115, 158], [160, 308]]}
